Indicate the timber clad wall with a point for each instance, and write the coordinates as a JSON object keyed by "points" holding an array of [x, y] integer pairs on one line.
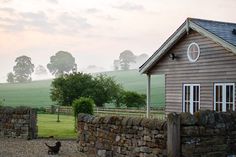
{"points": [[215, 65]]}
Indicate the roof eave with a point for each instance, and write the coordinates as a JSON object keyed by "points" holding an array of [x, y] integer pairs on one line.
{"points": [[182, 30]]}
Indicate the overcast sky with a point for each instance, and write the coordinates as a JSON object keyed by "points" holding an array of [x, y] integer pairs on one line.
{"points": [[95, 32]]}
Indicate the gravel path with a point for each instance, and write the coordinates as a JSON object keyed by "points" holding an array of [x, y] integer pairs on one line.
{"points": [[36, 148]]}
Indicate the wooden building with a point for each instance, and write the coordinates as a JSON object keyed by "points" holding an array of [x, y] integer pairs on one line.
{"points": [[199, 64]]}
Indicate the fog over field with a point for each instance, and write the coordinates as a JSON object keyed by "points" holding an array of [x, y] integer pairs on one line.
{"points": [[95, 32]]}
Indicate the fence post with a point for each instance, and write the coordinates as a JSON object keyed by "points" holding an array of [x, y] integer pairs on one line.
{"points": [[173, 135]]}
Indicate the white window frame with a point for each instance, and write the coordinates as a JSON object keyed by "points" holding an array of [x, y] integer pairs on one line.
{"points": [[198, 48], [191, 97], [224, 95]]}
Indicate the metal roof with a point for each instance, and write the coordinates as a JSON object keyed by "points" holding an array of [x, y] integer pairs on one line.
{"points": [[220, 32]]}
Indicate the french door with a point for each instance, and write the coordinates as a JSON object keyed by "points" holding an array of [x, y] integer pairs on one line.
{"points": [[224, 97], [191, 98]]}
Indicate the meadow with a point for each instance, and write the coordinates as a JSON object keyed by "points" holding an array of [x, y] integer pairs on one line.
{"points": [[37, 93]]}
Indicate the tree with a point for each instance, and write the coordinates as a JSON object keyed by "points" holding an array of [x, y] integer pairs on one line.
{"points": [[40, 70], [116, 64], [134, 99], [126, 57], [62, 62], [105, 90], [23, 69], [65, 89], [10, 77]]}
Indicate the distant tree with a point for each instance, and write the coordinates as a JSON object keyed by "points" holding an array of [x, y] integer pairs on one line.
{"points": [[134, 99], [126, 57], [40, 70], [62, 62], [116, 64], [23, 69], [10, 77], [65, 89]]}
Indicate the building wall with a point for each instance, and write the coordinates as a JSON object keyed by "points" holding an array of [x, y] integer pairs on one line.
{"points": [[215, 65]]}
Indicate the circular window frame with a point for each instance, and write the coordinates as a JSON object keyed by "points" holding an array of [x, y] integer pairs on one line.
{"points": [[198, 48]]}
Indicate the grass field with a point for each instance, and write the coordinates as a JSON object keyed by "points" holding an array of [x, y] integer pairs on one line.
{"points": [[37, 93], [47, 126]]}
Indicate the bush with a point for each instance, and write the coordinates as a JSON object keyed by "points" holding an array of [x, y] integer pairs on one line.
{"points": [[83, 105], [134, 99], [40, 110]]}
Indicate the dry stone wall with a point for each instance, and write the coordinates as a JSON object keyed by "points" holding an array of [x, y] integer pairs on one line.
{"points": [[121, 136], [208, 134], [20, 122], [204, 134]]}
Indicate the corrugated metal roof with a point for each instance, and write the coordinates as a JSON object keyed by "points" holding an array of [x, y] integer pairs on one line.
{"points": [[220, 29]]}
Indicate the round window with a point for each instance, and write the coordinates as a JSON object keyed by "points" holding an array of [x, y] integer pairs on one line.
{"points": [[193, 52]]}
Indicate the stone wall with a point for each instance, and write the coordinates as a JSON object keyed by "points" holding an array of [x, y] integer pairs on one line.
{"points": [[20, 122], [204, 134], [121, 136], [208, 134]]}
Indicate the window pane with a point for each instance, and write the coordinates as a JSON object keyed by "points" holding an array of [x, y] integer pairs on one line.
{"points": [[195, 106], [187, 93], [219, 107], [229, 107], [219, 93], [227, 94]]}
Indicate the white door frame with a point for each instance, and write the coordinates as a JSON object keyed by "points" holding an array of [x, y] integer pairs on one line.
{"points": [[224, 95], [191, 96]]}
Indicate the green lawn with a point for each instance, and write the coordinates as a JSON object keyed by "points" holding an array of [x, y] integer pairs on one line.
{"points": [[37, 93], [47, 126]]}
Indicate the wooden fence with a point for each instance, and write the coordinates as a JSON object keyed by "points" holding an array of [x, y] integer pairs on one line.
{"points": [[154, 113]]}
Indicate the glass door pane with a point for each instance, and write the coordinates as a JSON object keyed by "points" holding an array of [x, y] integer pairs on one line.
{"points": [[224, 97], [218, 97], [229, 97], [191, 98]]}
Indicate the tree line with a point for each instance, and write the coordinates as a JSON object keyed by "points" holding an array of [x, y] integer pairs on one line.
{"points": [[101, 89], [60, 63]]}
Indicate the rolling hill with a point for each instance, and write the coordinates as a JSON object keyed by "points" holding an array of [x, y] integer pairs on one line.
{"points": [[37, 93]]}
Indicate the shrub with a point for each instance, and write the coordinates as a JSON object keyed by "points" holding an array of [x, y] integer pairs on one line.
{"points": [[83, 105], [134, 99], [40, 110]]}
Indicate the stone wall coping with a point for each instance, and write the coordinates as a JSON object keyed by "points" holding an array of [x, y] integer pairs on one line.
{"points": [[207, 118], [123, 121], [15, 110]]}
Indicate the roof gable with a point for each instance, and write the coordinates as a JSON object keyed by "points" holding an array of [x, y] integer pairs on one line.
{"points": [[219, 32]]}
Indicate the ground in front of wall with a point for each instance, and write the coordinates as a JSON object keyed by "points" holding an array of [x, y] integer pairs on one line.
{"points": [[37, 148]]}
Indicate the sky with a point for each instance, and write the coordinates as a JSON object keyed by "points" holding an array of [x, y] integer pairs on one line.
{"points": [[95, 32]]}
